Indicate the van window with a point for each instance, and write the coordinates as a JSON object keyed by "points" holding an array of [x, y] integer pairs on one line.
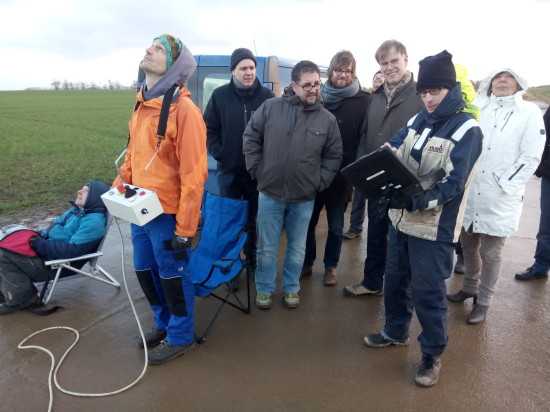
{"points": [[210, 78]]}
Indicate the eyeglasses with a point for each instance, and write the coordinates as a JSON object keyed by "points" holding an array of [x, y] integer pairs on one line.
{"points": [[434, 92], [307, 87], [345, 72]]}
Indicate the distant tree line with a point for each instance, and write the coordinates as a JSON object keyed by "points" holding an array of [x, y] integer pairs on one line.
{"points": [[80, 85]]}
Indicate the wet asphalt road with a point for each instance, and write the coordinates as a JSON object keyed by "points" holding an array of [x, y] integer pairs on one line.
{"points": [[308, 359]]}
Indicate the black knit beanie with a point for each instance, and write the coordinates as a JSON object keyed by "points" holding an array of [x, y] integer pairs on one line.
{"points": [[241, 54], [436, 71]]}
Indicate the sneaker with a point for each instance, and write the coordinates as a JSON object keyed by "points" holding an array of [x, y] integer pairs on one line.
{"points": [[292, 300], [263, 300], [428, 374], [377, 340], [351, 235], [360, 290], [165, 352], [9, 309], [152, 337]]}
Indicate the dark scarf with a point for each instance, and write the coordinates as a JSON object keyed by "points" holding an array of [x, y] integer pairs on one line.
{"points": [[332, 95]]}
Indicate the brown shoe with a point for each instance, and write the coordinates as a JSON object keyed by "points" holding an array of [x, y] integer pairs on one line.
{"points": [[306, 271], [331, 277]]}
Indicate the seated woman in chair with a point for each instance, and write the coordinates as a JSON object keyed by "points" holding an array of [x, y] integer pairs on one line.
{"points": [[76, 232]]}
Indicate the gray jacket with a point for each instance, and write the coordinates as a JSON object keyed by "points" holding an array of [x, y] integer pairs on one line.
{"points": [[292, 150], [383, 122]]}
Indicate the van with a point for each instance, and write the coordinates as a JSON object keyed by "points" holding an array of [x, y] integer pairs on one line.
{"points": [[214, 71]]}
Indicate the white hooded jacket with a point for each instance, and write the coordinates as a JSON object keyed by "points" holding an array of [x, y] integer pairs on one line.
{"points": [[513, 141]]}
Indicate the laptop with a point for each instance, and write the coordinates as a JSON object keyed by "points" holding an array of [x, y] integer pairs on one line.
{"points": [[378, 172]]}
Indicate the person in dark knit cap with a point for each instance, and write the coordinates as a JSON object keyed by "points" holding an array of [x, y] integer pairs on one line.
{"points": [[425, 227], [226, 117]]}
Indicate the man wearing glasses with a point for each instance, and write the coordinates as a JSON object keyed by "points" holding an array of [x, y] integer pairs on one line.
{"points": [[343, 97], [390, 108], [293, 149]]}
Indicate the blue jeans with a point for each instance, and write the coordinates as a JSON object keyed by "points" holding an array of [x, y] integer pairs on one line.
{"points": [[542, 253], [273, 216], [335, 219], [357, 214], [171, 293], [416, 270], [377, 245]]}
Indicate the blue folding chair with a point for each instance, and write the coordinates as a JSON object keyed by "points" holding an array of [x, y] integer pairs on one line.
{"points": [[217, 258]]}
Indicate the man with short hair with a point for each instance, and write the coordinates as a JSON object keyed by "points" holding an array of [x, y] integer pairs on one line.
{"points": [[390, 108], [175, 166], [292, 147], [343, 97], [226, 117]]}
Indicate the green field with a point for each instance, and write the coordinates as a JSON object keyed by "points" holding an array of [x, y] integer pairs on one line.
{"points": [[51, 142]]}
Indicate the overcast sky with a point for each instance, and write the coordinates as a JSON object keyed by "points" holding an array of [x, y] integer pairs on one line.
{"points": [[100, 40]]}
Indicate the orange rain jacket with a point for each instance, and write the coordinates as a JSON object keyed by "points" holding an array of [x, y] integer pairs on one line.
{"points": [[178, 170]]}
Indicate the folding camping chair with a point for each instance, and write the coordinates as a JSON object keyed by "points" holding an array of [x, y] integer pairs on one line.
{"points": [[73, 266], [217, 258]]}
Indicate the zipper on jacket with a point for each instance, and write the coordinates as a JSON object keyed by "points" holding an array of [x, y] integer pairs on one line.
{"points": [[245, 112], [517, 171], [506, 119]]}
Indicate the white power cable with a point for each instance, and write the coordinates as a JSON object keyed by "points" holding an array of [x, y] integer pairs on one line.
{"points": [[54, 372]]}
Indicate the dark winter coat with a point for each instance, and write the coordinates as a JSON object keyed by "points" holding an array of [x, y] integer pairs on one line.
{"points": [[226, 117], [351, 115], [293, 150], [544, 167], [384, 121]]}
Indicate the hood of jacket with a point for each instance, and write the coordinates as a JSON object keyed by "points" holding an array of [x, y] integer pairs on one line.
{"points": [[484, 98], [179, 73], [94, 203]]}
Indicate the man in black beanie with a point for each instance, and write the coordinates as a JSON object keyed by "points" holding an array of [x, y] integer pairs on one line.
{"points": [[425, 227], [226, 117]]}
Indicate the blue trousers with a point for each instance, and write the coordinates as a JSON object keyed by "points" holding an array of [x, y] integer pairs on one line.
{"points": [[377, 244], [542, 253], [333, 246], [416, 270], [273, 217], [160, 271]]}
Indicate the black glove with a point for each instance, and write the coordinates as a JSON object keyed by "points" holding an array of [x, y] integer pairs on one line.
{"points": [[181, 242], [399, 200], [31, 241]]}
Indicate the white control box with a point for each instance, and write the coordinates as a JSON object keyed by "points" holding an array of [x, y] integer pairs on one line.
{"points": [[133, 204]]}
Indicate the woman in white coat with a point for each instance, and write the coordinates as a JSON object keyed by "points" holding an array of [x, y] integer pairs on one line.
{"points": [[513, 141]]}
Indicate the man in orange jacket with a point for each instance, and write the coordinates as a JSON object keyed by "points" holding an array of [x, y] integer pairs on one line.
{"points": [[175, 167]]}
